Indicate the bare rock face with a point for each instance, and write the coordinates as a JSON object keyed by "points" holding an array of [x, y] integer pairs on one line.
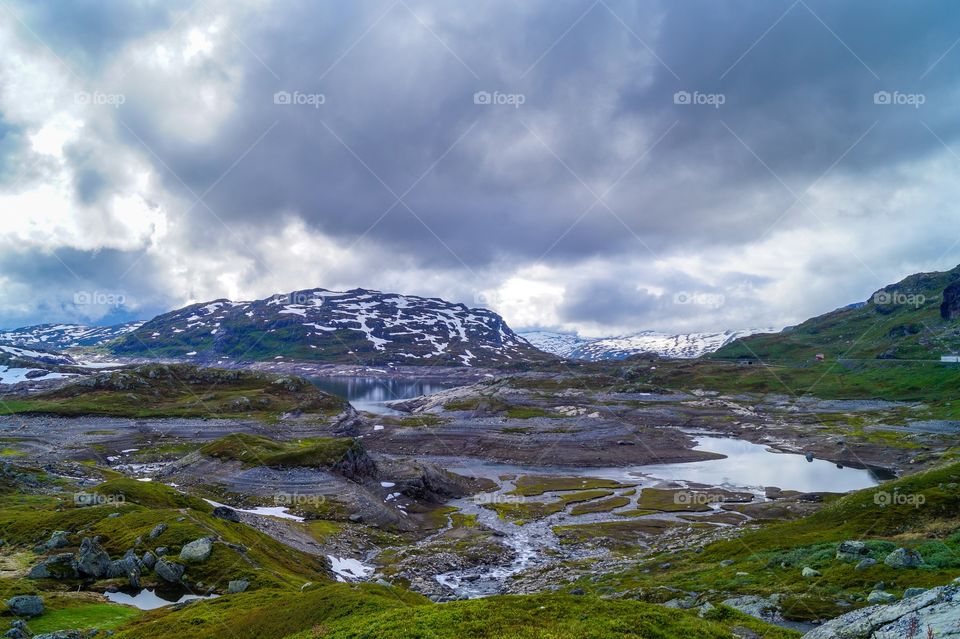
{"points": [[950, 307], [92, 560], [933, 613]]}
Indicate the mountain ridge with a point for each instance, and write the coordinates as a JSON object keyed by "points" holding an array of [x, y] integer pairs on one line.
{"points": [[674, 346]]}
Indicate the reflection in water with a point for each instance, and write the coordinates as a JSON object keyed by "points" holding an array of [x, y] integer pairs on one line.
{"points": [[753, 465], [149, 599], [371, 393]]}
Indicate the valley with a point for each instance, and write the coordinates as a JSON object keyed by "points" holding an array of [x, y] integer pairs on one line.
{"points": [[717, 496]]}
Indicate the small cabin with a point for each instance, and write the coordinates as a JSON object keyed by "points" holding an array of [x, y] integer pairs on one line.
{"points": [[820, 357]]}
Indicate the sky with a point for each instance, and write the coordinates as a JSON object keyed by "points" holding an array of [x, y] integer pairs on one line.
{"points": [[600, 166]]}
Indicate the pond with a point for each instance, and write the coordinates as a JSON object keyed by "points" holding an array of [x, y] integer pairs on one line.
{"points": [[150, 599], [372, 393]]}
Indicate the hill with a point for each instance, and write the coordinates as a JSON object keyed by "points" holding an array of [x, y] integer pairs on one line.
{"points": [[916, 318]]}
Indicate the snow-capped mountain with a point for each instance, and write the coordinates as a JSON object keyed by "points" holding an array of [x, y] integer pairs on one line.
{"points": [[560, 344], [356, 326], [22, 364], [683, 346], [60, 336]]}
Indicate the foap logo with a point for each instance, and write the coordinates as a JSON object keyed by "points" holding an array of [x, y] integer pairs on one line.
{"points": [[716, 100], [290, 500], [304, 298], [499, 99], [99, 298], [97, 98], [896, 98], [689, 498], [96, 499], [497, 498], [712, 300], [486, 299], [896, 298], [296, 98], [882, 498]]}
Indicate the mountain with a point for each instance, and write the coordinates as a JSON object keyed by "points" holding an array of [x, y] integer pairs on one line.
{"points": [[681, 346], [561, 344], [60, 336], [916, 318], [22, 364], [356, 326]]}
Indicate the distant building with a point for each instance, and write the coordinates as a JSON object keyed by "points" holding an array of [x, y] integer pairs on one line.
{"points": [[820, 357], [953, 359]]}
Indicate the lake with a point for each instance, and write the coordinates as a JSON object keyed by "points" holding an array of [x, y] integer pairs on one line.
{"points": [[372, 393]]}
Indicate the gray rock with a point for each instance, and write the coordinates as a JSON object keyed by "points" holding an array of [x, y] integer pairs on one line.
{"points": [[128, 567], [160, 551], [809, 573], [169, 571], [18, 630], [755, 605], [866, 563], [91, 560], [852, 551], [226, 513], [197, 550], [58, 539], [25, 605], [157, 531], [54, 567], [903, 558], [149, 560], [913, 592], [880, 597], [726, 562], [237, 585], [935, 611]]}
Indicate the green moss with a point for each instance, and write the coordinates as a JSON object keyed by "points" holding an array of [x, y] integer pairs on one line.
{"points": [[254, 450], [533, 485], [524, 511], [81, 616], [601, 506]]}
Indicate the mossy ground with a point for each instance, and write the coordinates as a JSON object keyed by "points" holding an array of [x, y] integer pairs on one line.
{"points": [[254, 450]]}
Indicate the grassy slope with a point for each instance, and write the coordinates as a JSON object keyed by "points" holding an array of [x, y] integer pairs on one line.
{"points": [[905, 324], [181, 390]]}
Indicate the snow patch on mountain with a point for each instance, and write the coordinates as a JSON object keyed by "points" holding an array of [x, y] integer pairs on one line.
{"points": [[680, 346], [60, 336]]}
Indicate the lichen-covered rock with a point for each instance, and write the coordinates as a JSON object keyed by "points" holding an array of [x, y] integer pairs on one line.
{"points": [[226, 513], [933, 613], [157, 531], [54, 567], [237, 585], [91, 560], [197, 550], [903, 558], [169, 571], [852, 551], [25, 605]]}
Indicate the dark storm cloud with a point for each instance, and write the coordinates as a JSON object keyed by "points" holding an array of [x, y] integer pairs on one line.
{"points": [[70, 285], [493, 186], [399, 99]]}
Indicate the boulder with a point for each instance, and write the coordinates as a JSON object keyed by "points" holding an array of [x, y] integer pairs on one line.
{"points": [[18, 630], [54, 567], [157, 531], [169, 571], [128, 567], [852, 551], [880, 597], [913, 592], [933, 613], [149, 560], [58, 539], [865, 563], [237, 585], [809, 573], [226, 513], [197, 550], [91, 560], [25, 605], [903, 558]]}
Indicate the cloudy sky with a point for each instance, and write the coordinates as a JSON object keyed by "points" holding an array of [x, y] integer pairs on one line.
{"points": [[604, 166]]}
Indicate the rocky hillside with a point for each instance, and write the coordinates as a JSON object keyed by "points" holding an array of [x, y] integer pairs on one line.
{"points": [[679, 346], [357, 326], [19, 364], [916, 318], [61, 336]]}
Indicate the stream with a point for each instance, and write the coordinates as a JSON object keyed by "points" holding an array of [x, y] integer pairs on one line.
{"points": [[746, 467]]}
